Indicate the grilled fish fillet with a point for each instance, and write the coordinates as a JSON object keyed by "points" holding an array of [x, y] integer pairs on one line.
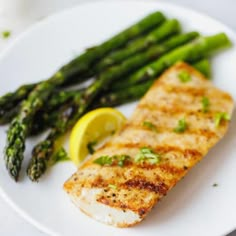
{"points": [[122, 196]]}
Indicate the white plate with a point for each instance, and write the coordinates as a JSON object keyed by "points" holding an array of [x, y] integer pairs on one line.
{"points": [[193, 207]]}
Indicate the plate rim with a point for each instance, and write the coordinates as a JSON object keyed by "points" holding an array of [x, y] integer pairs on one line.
{"points": [[36, 25]]}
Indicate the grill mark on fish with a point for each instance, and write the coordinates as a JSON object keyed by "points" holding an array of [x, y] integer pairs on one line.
{"points": [[160, 188], [170, 169]]}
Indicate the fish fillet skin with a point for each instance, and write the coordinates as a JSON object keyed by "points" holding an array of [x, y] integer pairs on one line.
{"points": [[122, 196]]}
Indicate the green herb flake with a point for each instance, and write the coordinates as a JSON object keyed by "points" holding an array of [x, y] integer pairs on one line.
{"points": [[60, 155], [104, 160], [221, 116], [150, 126], [121, 159], [215, 185], [112, 186], [184, 76], [90, 147], [205, 104], [181, 127], [6, 34], [147, 155]]}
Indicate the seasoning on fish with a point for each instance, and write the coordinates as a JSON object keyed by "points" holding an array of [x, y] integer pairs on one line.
{"points": [[166, 156]]}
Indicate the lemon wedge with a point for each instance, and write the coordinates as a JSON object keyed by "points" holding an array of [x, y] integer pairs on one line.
{"points": [[93, 127]]}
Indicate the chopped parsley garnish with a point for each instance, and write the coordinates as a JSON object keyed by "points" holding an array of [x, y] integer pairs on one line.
{"points": [[147, 155], [215, 185], [6, 34], [205, 104], [182, 126], [104, 160], [60, 155], [113, 186], [184, 76], [150, 125], [121, 159], [90, 146], [110, 160], [221, 116]]}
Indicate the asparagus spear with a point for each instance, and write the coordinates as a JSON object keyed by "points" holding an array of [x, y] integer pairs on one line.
{"points": [[21, 124], [82, 64], [43, 152], [141, 59], [190, 52], [168, 28], [12, 99], [204, 67], [56, 100]]}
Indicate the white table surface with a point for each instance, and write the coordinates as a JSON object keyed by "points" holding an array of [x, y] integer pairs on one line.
{"points": [[17, 15]]}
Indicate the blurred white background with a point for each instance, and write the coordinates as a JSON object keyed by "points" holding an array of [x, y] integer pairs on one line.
{"points": [[18, 15]]}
